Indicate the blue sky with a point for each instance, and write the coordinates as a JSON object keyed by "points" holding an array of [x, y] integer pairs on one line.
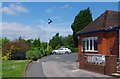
{"points": [[29, 19]]}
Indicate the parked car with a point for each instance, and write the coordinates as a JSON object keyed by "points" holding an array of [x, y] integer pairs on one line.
{"points": [[62, 51]]}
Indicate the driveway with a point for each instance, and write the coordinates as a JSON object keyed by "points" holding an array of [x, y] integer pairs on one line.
{"points": [[65, 65]]}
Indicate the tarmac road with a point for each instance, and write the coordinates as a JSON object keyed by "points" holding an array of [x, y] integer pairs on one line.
{"points": [[35, 69], [65, 65]]}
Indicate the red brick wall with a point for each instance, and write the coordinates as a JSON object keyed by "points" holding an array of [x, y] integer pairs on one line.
{"points": [[109, 67], [105, 40], [95, 68], [113, 40], [110, 64]]}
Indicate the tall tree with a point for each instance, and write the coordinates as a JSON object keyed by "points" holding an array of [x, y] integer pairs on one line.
{"points": [[83, 18], [68, 41], [56, 40], [37, 43], [5, 40]]}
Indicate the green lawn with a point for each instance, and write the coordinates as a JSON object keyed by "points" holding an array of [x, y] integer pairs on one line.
{"points": [[13, 68]]}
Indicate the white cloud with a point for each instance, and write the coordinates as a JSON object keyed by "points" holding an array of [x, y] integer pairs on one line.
{"points": [[64, 6], [45, 32], [52, 9], [13, 9], [18, 7], [14, 30], [7, 10]]}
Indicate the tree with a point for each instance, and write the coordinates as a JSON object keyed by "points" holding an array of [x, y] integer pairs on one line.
{"points": [[5, 40], [44, 44], [68, 41], [56, 40], [83, 18], [37, 43], [57, 47], [29, 41]]}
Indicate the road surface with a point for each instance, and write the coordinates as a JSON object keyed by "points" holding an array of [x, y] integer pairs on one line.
{"points": [[65, 65]]}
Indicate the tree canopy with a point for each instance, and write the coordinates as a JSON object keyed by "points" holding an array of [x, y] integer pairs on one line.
{"points": [[4, 40], [83, 18], [56, 40]]}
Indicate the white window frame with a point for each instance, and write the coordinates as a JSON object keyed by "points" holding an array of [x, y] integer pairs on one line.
{"points": [[89, 38]]}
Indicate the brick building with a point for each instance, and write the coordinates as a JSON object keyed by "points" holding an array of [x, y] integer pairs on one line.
{"points": [[102, 36]]}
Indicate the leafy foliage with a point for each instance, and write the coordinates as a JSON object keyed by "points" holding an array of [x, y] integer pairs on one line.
{"points": [[15, 49], [34, 53], [83, 18], [55, 41], [74, 49], [68, 41], [44, 45], [43, 52], [4, 41], [36, 43], [49, 50], [57, 47]]}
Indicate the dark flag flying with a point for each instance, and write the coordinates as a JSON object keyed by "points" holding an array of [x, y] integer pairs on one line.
{"points": [[49, 21]]}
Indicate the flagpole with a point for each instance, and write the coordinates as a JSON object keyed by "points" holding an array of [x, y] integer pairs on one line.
{"points": [[49, 22], [48, 39]]}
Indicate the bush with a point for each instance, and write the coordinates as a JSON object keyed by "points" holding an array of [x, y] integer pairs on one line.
{"points": [[74, 50], [44, 45], [57, 47], [68, 46], [49, 50], [34, 53], [4, 58], [42, 50], [18, 56], [16, 49]]}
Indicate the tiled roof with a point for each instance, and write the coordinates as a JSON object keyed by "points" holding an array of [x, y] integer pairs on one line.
{"points": [[106, 21]]}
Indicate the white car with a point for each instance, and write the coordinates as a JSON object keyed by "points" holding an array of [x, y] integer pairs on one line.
{"points": [[62, 51]]}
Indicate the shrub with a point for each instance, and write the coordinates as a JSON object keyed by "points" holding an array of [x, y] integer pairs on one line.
{"points": [[4, 58], [74, 50], [49, 50], [16, 49], [42, 50], [44, 44], [57, 47], [18, 56], [68, 46], [34, 53]]}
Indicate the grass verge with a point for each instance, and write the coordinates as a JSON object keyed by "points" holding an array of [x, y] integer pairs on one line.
{"points": [[13, 68]]}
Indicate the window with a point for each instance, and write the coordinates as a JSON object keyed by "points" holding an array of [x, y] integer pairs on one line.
{"points": [[90, 44], [83, 44], [87, 44], [96, 44]]}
